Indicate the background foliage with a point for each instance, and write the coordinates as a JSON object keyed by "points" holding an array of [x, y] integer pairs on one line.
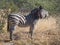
{"points": [[15, 5], [8, 6]]}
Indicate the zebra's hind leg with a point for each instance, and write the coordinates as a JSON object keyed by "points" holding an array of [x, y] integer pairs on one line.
{"points": [[11, 35], [12, 27]]}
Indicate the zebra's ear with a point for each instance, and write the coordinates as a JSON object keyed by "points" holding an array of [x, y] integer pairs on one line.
{"points": [[40, 7]]}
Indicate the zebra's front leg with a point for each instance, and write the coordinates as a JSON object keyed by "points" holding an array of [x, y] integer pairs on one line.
{"points": [[31, 31]]}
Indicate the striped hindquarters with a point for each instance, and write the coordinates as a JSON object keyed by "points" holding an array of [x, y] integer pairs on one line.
{"points": [[16, 19]]}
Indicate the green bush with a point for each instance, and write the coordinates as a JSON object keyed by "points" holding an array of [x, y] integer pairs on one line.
{"points": [[15, 5], [1, 25]]}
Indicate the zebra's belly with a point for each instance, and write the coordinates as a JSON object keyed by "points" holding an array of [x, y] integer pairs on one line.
{"points": [[26, 24]]}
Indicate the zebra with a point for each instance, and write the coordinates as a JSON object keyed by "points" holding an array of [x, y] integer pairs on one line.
{"points": [[23, 21]]}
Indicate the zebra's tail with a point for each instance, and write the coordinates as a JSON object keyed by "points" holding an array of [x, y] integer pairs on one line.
{"points": [[8, 24]]}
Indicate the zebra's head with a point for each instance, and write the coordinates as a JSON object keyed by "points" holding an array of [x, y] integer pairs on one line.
{"points": [[39, 12], [42, 13]]}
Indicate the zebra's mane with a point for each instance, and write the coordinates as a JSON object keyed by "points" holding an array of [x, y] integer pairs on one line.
{"points": [[34, 13]]}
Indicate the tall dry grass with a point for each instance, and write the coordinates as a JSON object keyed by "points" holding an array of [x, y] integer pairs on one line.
{"points": [[46, 32]]}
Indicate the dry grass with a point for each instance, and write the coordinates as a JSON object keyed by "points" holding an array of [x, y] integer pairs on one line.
{"points": [[46, 24], [46, 32]]}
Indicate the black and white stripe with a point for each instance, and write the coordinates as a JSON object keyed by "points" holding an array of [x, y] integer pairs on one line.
{"points": [[16, 19]]}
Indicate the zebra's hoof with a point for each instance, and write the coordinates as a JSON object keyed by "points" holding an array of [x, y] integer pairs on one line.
{"points": [[29, 36]]}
